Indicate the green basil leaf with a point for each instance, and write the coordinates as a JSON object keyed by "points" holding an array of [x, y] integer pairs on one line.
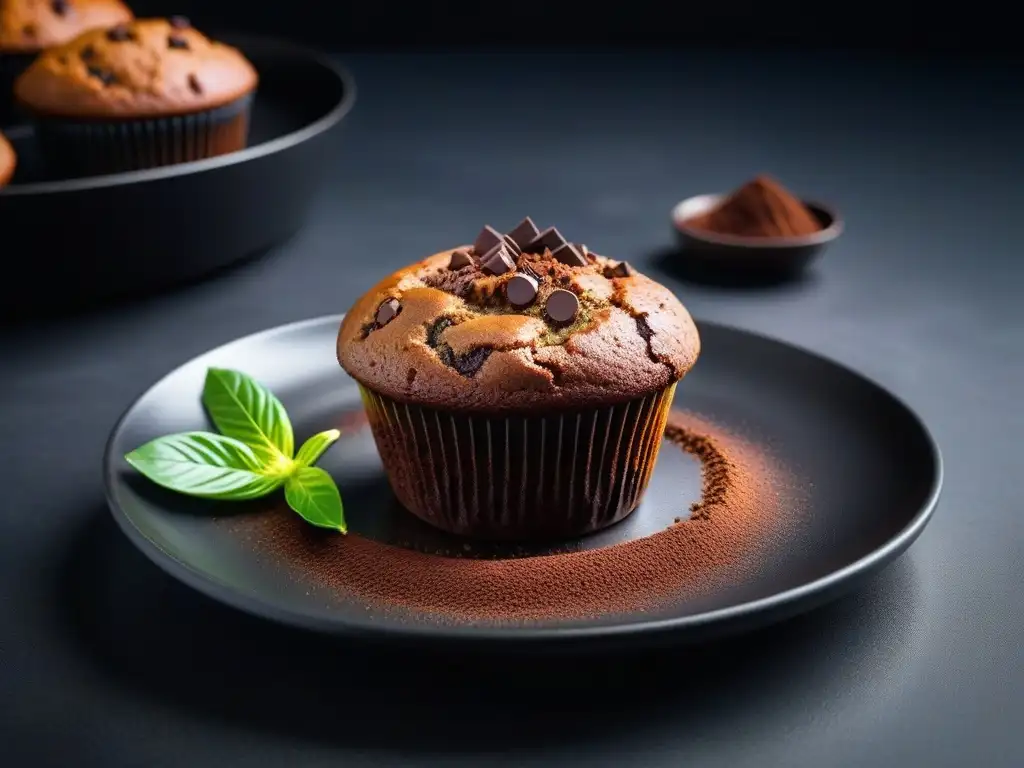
{"points": [[244, 409], [314, 448], [206, 465], [312, 493]]}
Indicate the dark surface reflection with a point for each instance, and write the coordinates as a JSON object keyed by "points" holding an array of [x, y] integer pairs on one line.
{"points": [[149, 634]]}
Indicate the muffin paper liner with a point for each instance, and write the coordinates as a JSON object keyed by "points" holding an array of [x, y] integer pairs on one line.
{"points": [[11, 66], [94, 147], [519, 477]]}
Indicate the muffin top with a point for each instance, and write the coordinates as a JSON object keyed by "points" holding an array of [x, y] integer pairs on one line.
{"points": [[8, 161], [144, 68], [517, 321], [27, 26]]}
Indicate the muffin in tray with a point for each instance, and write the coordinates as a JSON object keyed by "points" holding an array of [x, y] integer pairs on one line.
{"points": [[517, 388], [148, 93], [30, 26], [8, 161]]}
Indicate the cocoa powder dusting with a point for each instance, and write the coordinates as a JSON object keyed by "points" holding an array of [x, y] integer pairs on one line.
{"points": [[735, 519]]}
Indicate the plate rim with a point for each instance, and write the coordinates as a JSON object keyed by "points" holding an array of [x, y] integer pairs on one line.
{"points": [[779, 604], [253, 152]]}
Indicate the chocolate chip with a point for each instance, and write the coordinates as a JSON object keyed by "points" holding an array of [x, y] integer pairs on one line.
{"points": [[550, 238], [87, 53], [180, 22], [434, 332], [512, 245], [178, 43], [622, 269], [459, 260], [531, 270], [29, 30], [567, 254], [471, 362], [104, 76], [120, 34], [388, 311], [497, 261], [60, 7], [562, 306], [524, 233], [194, 84], [488, 238], [644, 328], [521, 290]]}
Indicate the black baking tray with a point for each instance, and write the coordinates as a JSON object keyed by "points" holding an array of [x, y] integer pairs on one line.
{"points": [[80, 241]]}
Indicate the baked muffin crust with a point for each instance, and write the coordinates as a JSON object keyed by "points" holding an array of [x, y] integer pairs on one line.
{"points": [[145, 68], [27, 26], [451, 338]]}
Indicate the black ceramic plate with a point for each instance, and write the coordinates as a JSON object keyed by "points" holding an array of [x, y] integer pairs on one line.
{"points": [[866, 473], [96, 238]]}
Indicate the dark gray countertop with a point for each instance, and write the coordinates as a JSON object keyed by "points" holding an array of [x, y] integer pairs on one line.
{"points": [[104, 661]]}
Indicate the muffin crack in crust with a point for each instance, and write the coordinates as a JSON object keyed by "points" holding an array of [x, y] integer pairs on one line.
{"points": [[515, 320], [467, 363]]}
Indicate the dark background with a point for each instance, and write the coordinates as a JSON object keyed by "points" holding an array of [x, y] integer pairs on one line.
{"points": [[107, 662], [903, 25]]}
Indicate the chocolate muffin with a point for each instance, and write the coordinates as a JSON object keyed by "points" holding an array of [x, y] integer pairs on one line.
{"points": [[30, 26], [8, 161], [147, 93], [518, 388]]}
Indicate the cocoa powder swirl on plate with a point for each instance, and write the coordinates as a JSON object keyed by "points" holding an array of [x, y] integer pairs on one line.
{"points": [[737, 515]]}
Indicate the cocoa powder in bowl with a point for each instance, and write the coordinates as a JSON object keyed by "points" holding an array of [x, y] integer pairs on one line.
{"points": [[735, 518]]}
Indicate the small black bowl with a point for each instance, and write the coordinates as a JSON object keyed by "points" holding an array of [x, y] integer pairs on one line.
{"points": [[713, 253]]}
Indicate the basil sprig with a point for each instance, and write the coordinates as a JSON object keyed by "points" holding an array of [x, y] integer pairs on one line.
{"points": [[253, 455]]}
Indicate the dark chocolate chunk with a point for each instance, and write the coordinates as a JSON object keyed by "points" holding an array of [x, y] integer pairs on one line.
{"points": [[622, 269], [524, 233], [180, 22], [120, 34], [60, 7], [488, 238], [521, 290], [497, 261], [87, 53], [467, 364], [567, 254], [644, 328], [194, 84], [388, 311], [513, 246], [29, 30], [459, 260], [471, 362], [562, 306], [178, 43], [104, 76], [531, 270], [550, 238], [434, 332]]}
